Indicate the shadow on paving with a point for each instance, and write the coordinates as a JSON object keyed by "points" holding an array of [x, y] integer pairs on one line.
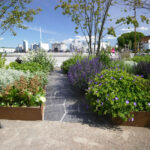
{"points": [[66, 104]]}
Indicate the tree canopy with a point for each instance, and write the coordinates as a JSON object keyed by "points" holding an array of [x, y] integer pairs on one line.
{"points": [[13, 13], [128, 38], [90, 17]]}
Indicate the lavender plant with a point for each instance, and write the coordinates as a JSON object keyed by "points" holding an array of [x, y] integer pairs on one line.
{"points": [[142, 68], [81, 73]]}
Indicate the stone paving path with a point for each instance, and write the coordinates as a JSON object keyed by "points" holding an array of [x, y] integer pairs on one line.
{"points": [[64, 103]]}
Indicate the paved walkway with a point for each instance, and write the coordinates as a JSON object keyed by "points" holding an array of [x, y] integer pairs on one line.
{"points": [[47, 135], [65, 104]]}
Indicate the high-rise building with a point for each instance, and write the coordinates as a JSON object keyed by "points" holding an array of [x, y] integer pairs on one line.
{"points": [[19, 48], [25, 46]]}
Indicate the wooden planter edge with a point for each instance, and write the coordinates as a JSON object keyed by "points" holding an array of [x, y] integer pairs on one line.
{"points": [[141, 119], [22, 113]]}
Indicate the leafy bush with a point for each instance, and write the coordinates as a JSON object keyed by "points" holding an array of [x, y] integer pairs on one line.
{"points": [[9, 76], [117, 93], [23, 93], [138, 59], [41, 57], [80, 73], [124, 65], [68, 63], [2, 61], [27, 66], [105, 58], [142, 68]]}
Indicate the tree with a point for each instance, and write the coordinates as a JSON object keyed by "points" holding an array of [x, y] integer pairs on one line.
{"points": [[128, 39], [90, 16], [135, 5], [13, 13]]}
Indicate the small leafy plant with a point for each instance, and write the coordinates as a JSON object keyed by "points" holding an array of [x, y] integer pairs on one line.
{"points": [[117, 93], [27, 66], [138, 59], [23, 93], [2, 61], [42, 58]]}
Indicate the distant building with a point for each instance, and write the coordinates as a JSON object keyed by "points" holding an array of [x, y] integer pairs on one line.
{"points": [[57, 47], [82, 46], [7, 50], [145, 42], [44, 46], [19, 48], [77, 45], [25, 46], [34, 46], [145, 39]]}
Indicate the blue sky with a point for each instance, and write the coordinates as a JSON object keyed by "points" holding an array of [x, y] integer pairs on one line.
{"points": [[57, 27]]}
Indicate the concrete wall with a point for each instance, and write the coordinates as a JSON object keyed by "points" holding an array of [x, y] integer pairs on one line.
{"points": [[59, 57]]}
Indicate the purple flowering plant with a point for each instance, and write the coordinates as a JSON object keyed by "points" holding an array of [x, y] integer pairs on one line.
{"points": [[82, 72], [118, 98], [142, 69]]}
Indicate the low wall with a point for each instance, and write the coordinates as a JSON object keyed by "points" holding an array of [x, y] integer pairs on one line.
{"points": [[59, 57]]}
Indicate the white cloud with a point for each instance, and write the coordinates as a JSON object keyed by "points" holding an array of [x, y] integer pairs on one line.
{"points": [[127, 29], [110, 37], [1, 38], [68, 41], [132, 29], [43, 30], [143, 28]]}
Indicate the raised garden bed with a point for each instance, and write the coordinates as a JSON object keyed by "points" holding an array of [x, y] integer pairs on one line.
{"points": [[141, 119], [22, 113]]}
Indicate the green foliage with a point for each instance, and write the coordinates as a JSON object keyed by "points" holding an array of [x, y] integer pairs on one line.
{"points": [[27, 66], [120, 64], [23, 93], [134, 5], [138, 59], [105, 58], [42, 58], [2, 61], [70, 62], [90, 17], [14, 12], [129, 38], [117, 93], [9, 76]]}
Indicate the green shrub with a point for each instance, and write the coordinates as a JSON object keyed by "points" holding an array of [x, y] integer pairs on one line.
{"points": [[117, 93], [124, 65], [105, 58], [2, 61], [138, 59], [23, 93], [27, 66], [70, 62], [41, 57], [9, 76]]}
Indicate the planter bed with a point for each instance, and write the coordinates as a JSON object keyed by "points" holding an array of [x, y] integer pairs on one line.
{"points": [[141, 119], [21, 113]]}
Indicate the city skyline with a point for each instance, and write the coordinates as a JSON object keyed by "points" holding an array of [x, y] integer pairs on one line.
{"points": [[58, 28]]}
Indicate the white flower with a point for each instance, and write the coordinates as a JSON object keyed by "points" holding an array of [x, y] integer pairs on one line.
{"points": [[43, 99]]}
